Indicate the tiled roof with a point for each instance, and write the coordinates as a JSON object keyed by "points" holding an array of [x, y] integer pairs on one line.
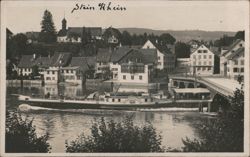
{"points": [[232, 46], [162, 48], [84, 63], [94, 31], [62, 33], [103, 55], [27, 61], [119, 53], [237, 53], [60, 59], [146, 56]]}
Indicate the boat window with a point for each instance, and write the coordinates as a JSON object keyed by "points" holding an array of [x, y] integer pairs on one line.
{"points": [[119, 100], [113, 100], [107, 100], [146, 100]]}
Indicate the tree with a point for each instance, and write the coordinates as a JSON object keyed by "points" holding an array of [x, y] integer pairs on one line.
{"points": [[117, 137], [126, 38], [224, 133], [21, 136], [48, 31], [166, 38], [16, 46], [240, 35], [35, 71], [224, 41], [182, 50]]}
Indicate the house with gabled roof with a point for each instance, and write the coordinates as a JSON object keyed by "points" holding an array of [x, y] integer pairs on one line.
{"points": [[103, 60], [226, 68], [74, 34], [27, 62], [202, 61], [165, 58], [131, 66], [235, 63]]}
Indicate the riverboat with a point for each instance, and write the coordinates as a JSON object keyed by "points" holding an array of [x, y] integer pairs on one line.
{"points": [[104, 101]]}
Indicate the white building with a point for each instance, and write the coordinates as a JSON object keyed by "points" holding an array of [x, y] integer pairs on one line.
{"points": [[71, 75], [235, 64], [28, 62], [226, 56], [51, 75], [133, 66], [164, 60], [133, 73], [202, 61]]}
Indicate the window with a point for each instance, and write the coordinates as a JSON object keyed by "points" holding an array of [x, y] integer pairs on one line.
{"points": [[235, 62], [147, 47], [194, 57], [205, 63], [159, 63], [205, 56], [242, 70], [210, 56], [235, 70], [113, 100], [209, 68], [242, 62], [193, 63], [72, 71], [47, 78], [199, 51], [199, 68], [140, 77], [159, 57], [124, 77], [204, 51], [199, 63], [47, 72], [62, 71], [53, 72], [53, 78], [67, 71], [119, 100], [146, 100], [199, 57], [210, 63], [132, 77]]}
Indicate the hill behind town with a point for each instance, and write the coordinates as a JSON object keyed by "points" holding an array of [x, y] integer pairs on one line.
{"points": [[182, 35]]}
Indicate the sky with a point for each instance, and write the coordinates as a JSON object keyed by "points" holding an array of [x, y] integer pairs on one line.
{"points": [[23, 16]]}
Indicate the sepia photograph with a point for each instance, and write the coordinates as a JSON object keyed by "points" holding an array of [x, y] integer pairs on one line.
{"points": [[115, 78]]}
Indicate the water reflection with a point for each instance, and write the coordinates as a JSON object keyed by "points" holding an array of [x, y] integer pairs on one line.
{"points": [[65, 125]]}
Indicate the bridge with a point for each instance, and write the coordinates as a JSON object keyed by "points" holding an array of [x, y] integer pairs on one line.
{"points": [[217, 85]]}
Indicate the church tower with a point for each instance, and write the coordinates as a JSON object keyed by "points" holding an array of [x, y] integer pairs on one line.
{"points": [[64, 24]]}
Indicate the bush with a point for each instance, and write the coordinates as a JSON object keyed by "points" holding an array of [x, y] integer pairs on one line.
{"points": [[21, 136], [117, 137], [224, 133]]}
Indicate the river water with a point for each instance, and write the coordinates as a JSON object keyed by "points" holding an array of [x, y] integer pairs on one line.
{"points": [[66, 125]]}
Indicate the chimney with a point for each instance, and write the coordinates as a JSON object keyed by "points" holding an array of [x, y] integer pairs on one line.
{"points": [[34, 56]]}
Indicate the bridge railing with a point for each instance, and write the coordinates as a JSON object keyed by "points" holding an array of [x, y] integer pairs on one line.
{"points": [[223, 90], [217, 87]]}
